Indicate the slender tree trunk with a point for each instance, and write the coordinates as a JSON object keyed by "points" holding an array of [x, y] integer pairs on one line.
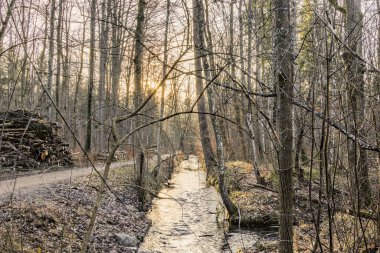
{"points": [[210, 48], [201, 105], [377, 119], [249, 117], [284, 78], [88, 234], [59, 57], [242, 63], [50, 59], [255, 112], [115, 57], [66, 74], [200, 54], [138, 94], [164, 69], [355, 77], [237, 98], [91, 79], [41, 61], [76, 110], [25, 58], [103, 60], [297, 160], [6, 20]]}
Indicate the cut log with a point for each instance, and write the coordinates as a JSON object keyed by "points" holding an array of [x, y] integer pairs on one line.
{"points": [[30, 141]]}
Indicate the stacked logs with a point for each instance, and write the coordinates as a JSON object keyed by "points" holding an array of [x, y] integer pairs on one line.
{"points": [[30, 141]]}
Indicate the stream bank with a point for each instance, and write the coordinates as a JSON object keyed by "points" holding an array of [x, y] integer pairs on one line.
{"points": [[188, 217]]}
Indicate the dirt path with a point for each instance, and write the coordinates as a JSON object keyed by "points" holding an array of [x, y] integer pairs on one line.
{"points": [[24, 184]]}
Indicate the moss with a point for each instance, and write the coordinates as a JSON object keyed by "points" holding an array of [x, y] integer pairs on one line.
{"points": [[314, 175], [274, 180]]}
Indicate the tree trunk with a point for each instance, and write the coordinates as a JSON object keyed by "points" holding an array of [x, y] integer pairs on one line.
{"points": [[377, 119], [355, 77], [6, 20], [91, 80], [164, 69], [297, 160], [200, 54], [138, 94], [242, 65], [77, 85], [50, 59], [238, 97], [284, 78], [103, 60], [115, 57], [66, 75], [249, 118], [59, 57], [201, 105]]}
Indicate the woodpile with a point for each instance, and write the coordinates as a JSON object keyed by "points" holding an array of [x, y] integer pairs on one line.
{"points": [[30, 141]]}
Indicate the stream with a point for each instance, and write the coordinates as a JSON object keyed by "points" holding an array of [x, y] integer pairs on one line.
{"points": [[188, 217]]}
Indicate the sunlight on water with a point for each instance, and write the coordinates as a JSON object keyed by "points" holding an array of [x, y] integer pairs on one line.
{"points": [[184, 218]]}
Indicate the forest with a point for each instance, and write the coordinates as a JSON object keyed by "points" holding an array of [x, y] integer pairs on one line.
{"points": [[269, 109]]}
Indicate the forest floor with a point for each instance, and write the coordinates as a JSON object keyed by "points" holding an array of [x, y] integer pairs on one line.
{"points": [[258, 207], [54, 216]]}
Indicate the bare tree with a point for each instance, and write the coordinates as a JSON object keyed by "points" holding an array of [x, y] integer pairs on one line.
{"points": [[4, 23], [283, 43], [355, 77], [164, 69], [50, 57], [201, 103], [103, 60], [138, 93], [198, 37], [249, 118], [91, 79]]}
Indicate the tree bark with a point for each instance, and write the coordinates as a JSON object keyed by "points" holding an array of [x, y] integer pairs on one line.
{"points": [[249, 117], [103, 61], [200, 54], [355, 76], [164, 69], [6, 20], [59, 57], [116, 57], [237, 98], [91, 80], [201, 105], [77, 85], [50, 59], [242, 65], [138, 94], [284, 78], [377, 118]]}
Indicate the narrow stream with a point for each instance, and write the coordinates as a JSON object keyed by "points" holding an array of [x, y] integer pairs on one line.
{"points": [[185, 217]]}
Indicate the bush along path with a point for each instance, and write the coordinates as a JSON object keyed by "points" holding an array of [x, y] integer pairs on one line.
{"points": [[55, 218]]}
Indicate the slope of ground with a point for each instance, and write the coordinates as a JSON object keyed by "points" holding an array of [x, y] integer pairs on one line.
{"points": [[53, 217]]}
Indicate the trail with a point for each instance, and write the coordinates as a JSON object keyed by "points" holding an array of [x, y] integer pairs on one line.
{"points": [[24, 184]]}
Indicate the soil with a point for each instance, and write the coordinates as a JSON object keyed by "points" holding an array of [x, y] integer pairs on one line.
{"points": [[53, 216], [258, 207]]}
